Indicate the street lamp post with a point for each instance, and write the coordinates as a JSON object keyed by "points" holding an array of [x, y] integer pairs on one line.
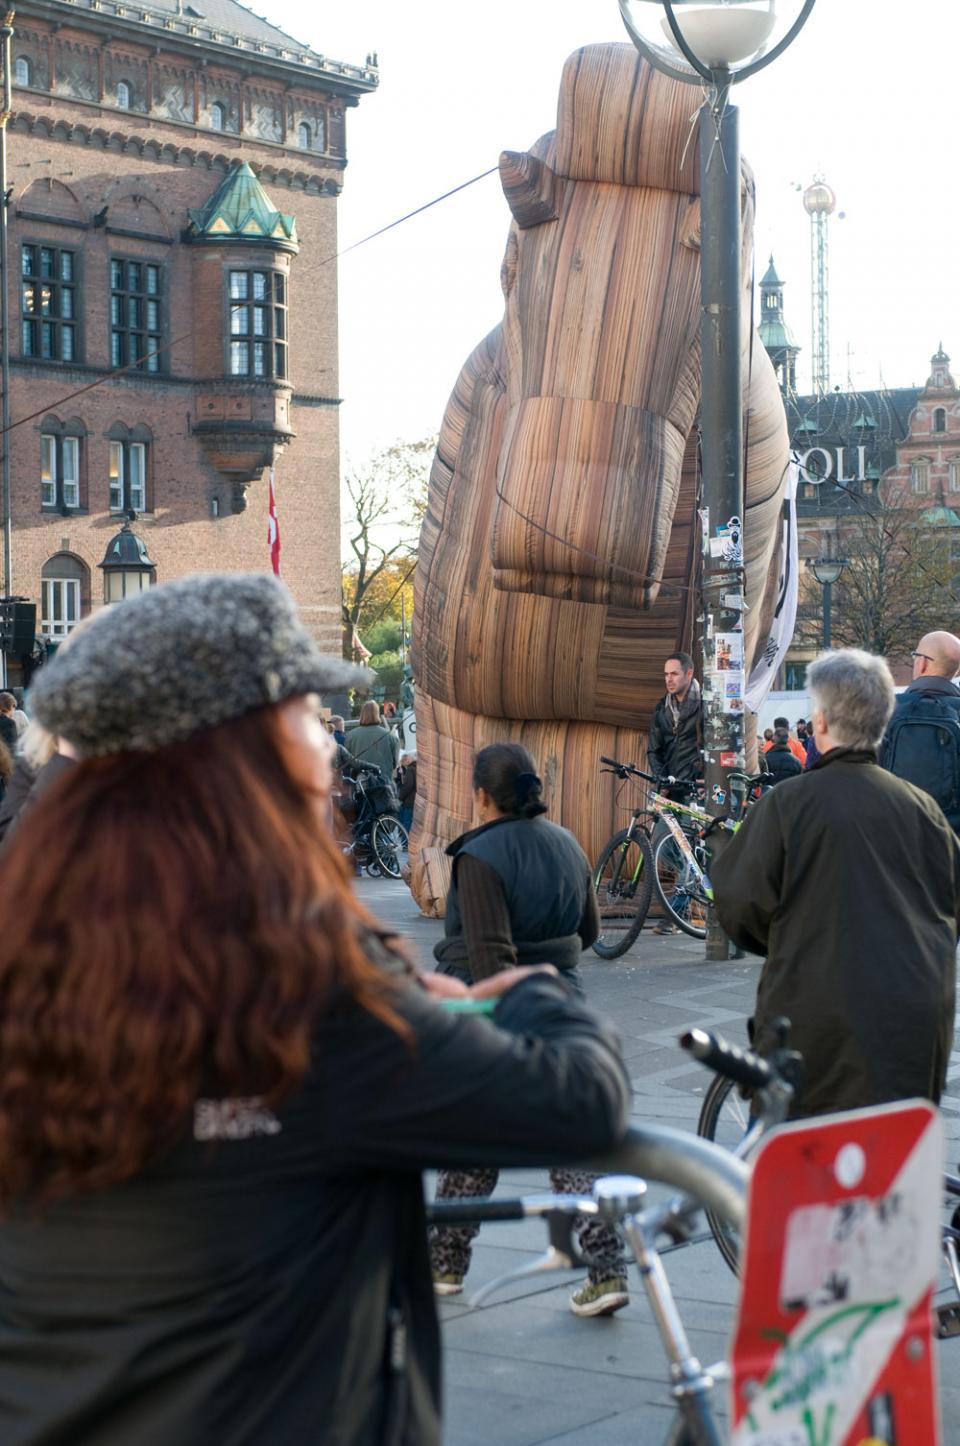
{"points": [[714, 44], [827, 571]]}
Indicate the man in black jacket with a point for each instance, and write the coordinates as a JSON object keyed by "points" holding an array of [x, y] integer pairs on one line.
{"points": [[848, 880], [675, 748], [922, 742]]}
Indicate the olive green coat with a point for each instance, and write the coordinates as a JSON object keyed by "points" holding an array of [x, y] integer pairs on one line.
{"points": [[848, 880]]}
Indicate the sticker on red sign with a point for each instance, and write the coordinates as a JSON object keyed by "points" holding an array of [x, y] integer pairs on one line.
{"points": [[729, 760], [834, 1339]]}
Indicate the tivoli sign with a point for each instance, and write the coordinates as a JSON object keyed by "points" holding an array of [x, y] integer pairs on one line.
{"points": [[830, 459]]}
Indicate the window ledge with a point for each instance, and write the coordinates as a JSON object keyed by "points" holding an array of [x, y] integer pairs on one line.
{"points": [[55, 510]]}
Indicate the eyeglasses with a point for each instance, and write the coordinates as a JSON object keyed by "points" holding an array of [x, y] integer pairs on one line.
{"points": [[923, 655]]}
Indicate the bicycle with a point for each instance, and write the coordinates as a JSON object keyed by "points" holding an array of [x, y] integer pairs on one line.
{"points": [[623, 880], [738, 1123], [378, 839], [715, 1180], [631, 865]]}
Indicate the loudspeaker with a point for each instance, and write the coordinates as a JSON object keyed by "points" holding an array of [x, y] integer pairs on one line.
{"points": [[18, 626]]}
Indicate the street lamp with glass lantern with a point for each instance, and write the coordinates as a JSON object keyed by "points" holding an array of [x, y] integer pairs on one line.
{"points": [[827, 570], [715, 44], [127, 570]]}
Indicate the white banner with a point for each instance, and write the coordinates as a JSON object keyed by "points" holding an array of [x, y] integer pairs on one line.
{"points": [[780, 636]]}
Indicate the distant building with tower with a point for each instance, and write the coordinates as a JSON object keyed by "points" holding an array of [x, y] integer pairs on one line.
{"points": [[861, 452], [776, 336]]}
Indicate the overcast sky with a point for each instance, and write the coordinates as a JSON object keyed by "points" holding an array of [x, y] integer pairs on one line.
{"points": [[867, 102]]}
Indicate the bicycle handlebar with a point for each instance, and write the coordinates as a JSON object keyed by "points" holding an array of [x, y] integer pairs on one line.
{"points": [[454, 1212], [627, 770], [740, 1065]]}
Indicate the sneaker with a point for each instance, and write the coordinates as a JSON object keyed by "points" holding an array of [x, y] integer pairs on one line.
{"points": [[665, 927], [600, 1297], [447, 1284]]}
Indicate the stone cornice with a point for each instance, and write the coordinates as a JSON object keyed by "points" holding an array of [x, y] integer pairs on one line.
{"points": [[195, 37], [151, 147]]}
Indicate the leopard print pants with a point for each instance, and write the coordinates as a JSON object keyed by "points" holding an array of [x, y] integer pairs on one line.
{"points": [[451, 1245]]}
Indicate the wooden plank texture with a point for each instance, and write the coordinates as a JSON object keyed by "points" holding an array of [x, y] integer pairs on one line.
{"points": [[560, 548]]}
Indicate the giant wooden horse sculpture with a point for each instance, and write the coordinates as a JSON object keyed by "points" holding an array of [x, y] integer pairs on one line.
{"points": [[561, 539]]}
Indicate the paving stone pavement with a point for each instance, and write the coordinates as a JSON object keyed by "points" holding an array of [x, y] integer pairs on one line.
{"points": [[520, 1370]]}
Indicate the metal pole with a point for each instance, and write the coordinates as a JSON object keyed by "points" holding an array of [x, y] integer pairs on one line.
{"points": [[6, 32], [721, 428], [827, 603]]}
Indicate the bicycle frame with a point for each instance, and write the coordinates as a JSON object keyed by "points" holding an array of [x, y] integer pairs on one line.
{"points": [[707, 1175], [666, 810]]}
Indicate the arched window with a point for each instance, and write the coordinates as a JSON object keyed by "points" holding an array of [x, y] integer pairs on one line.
{"points": [[64, 592], [218, 116], [61, 456], [939, 420], [920, 475], [129, 468], [22, 74], [955, 474], [320, 138], [304, 137], [123, 95]]}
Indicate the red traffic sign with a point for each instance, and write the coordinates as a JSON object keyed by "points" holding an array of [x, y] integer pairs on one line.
{"points": [[833, 1343]]}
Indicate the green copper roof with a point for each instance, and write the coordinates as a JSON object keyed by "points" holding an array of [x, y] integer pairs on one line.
{"points": [[241, 210], [939, 517], [776, 334]]}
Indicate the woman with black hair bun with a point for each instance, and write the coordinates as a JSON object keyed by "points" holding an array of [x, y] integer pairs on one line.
{"points": [[521, 892]]}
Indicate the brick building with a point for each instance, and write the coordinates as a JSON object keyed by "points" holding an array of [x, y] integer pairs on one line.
{"points": [[175, 169], [885, 460]]}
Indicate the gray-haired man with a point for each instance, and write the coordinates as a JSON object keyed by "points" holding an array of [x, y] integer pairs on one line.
{"points": [[848, 880]]}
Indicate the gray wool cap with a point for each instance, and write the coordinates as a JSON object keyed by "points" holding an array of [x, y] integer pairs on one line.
{"points": [[186, 655]]}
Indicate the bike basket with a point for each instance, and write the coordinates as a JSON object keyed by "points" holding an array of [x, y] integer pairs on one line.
{"points": [[383, 798]]}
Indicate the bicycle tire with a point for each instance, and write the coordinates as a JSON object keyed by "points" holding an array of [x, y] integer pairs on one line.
{"points": [[389, 842], [687, 909], [724, 1119], [622, 905]]}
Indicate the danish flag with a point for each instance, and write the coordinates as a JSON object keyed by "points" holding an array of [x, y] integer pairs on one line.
{"points": [[273, 528]]}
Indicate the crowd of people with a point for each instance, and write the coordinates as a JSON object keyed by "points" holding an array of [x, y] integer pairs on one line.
{"points": [[223, 1078]]}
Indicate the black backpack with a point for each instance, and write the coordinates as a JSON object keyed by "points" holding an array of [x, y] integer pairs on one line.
{"points": [[922, 745]]}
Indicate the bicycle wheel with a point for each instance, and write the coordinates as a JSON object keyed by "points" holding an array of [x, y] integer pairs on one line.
{"points": [[623, 879], [389, 844], [724, 1119], [679, 889]]}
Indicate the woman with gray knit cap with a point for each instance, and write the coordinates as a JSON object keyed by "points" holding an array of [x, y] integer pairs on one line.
{"points": [[220, 1081], [521, 892]]}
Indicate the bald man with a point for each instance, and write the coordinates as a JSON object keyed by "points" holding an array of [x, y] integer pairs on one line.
{"points": [[922, 742]]}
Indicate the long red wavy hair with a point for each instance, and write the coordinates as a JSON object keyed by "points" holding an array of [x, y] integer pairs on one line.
{"points": [[174, 924]]}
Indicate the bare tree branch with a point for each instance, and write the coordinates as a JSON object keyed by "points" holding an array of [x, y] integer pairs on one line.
{"points": [[387, 499]]}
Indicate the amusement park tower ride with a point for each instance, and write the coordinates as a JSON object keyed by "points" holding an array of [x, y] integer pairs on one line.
{"points": [[819, 202]]}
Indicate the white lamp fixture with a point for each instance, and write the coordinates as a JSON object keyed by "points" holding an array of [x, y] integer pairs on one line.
{"points": [[695, 40], [127, 569], [827, 570]]}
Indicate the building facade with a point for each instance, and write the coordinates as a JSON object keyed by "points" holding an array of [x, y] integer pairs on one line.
{"points": [[172, 296], [879, 488]]}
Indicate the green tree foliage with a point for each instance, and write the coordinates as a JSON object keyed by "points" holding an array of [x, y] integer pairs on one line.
{"points": [[900, 580], [383, 509]]}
